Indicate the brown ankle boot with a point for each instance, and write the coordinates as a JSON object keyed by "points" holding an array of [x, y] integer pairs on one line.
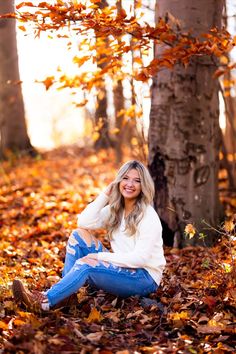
{"points": [[34, 301]]}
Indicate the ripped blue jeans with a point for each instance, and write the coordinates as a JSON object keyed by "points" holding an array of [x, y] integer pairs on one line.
{"points": [[109, 277]]}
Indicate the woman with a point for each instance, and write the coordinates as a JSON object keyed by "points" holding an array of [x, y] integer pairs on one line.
{"points": [[136, 264]]}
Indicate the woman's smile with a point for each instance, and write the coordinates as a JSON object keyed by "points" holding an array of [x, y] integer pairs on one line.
{"points": [[130, 186]]}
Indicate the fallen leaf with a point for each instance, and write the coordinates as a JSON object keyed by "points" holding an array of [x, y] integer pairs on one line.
{"points": [[95, 337], [94, 316]]}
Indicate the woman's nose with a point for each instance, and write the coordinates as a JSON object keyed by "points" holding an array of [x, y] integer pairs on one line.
{"points": [[130, 182]]}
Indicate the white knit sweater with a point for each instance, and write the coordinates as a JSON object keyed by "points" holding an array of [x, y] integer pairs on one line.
{"points": [[142, 250]]}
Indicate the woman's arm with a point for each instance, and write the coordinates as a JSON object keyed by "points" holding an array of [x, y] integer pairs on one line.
{"points": [[95, 214]]}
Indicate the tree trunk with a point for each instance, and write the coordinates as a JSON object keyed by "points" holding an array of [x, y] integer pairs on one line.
{"points": [[184, 135], [119, 105], [101, 118], [13, 131]]}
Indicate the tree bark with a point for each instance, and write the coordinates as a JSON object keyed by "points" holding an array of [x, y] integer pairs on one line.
{"points": [[184, 133], [13, 131], [101, 117], [119, 105]]}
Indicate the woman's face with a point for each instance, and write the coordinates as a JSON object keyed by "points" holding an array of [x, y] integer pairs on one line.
{"points": [[130, 185]]}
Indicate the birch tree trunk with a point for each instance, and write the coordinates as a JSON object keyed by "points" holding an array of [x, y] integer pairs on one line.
{"points": [[184, 135], [13, 131]]}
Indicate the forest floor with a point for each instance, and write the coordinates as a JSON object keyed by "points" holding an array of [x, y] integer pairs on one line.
{"points": [[193, 310]]}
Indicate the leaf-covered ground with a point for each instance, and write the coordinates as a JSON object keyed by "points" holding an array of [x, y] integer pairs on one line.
{"points": [[192, 312]]}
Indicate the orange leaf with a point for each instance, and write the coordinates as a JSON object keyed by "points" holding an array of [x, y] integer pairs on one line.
{"points": [[94, 316], [138, 60], [81, 61], [3, 325], [48, 82], [19, 322], [218, 73], [24, 3], [22, 28], [141, 77], [81, 104]]}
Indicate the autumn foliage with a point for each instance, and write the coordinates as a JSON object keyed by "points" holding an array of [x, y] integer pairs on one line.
{"points": [[192, 312], [62, 18]]}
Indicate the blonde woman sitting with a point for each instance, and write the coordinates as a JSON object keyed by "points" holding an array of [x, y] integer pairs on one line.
{"points": [[136, 263]]}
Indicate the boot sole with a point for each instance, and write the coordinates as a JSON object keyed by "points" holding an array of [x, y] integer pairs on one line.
{"points": [[20, 296]]}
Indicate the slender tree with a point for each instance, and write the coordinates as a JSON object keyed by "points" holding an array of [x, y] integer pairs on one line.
{"points": [[184, 134], [229, 136], [119, 104], [13, 131], [101, 117]]}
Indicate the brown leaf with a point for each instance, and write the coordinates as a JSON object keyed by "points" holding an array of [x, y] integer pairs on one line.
{"points": [[114, 316], [95, 337], [134, 314]]}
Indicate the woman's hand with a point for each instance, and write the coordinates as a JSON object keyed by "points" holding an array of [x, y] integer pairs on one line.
{"points": [[109, 189], [91, 259]]}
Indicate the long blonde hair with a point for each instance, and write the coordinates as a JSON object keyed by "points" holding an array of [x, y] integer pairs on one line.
{"points": [[116, 200]]}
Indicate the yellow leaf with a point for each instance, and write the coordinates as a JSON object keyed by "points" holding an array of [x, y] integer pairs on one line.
{"points": [[120, 113], [134, 141], [115, 131], [94, 316], [95, 136], [229, 226], [183, 315], [214, 323], [138, 4], [190, 230], [80, 61], [224, 59]]}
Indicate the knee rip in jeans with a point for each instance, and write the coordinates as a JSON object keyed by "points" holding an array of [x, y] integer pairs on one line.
{"points": [[72, 240], [70, 250], [95, 263]]}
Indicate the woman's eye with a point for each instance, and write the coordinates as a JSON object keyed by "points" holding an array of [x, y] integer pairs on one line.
{"points": [[125, 177]]}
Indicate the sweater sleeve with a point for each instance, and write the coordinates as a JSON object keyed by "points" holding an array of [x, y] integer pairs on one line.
{"points": [[149, 245], [95, 214]]}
